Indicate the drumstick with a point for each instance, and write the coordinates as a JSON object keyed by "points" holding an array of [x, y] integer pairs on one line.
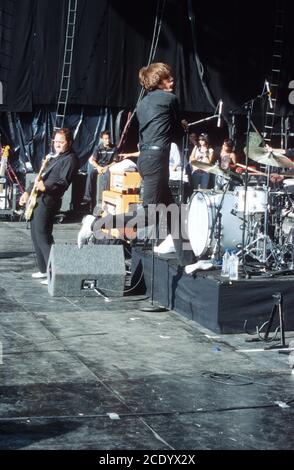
{"points": [[256, 172]]}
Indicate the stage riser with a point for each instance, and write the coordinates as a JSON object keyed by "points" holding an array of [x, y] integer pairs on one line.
{"points": [[220, 306]]}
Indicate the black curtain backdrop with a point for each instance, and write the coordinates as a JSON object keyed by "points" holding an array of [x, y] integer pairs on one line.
{"points": [[232, 39]]}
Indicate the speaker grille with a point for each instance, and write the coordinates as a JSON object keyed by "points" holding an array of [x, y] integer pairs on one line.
{"points": [[69, 268]]}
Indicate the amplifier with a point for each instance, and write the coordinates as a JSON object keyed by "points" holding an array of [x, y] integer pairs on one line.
{"points": [[126, 182], [117, 203]]}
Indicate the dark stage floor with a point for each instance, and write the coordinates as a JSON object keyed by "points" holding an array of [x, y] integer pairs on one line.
{"points": [[80, 373]]}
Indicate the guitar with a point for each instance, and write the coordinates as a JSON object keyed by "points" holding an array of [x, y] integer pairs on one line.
{"points": [[3, 167], [34, 192]]}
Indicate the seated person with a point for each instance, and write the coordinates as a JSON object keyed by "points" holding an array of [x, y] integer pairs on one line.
{"points": [[105, 153], [226, 159]]}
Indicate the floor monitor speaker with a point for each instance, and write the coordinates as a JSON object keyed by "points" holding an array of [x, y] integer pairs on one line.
{"points": [[74, 272]]}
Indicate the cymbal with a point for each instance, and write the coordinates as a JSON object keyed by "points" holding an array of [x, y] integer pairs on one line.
{"points": [[273, 159], [213, 169]]}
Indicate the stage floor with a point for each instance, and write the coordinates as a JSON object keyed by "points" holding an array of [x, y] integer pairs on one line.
{"points": [[81, 373]]}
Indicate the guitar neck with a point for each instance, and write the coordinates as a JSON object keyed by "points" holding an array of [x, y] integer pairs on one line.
{"points": [[39, 175], [34, 193]]}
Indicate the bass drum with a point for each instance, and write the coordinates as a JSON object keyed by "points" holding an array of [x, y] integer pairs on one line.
{"points": [[202, 212]]}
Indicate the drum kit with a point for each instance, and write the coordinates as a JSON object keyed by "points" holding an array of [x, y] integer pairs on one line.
{"points": [[257, 222]]}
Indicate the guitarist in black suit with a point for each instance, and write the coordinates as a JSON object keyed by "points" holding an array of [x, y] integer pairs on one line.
{"points": [[50, 187]]}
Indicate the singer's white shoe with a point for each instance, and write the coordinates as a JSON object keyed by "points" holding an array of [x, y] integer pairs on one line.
{"points": [[39, 275], [86, 230], [201, 265], [165, 247]]}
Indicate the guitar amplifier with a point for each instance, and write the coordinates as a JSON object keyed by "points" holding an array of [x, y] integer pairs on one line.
{"points": [[117, 203], [126, 182]]}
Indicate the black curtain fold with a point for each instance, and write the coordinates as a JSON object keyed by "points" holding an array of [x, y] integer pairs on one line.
{"points": [[112, 41], [29, 134]]}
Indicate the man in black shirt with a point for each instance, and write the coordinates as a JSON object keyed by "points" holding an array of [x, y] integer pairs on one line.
{"points": [[158, 118], [104, 154], [157, 115], [52, 185]]}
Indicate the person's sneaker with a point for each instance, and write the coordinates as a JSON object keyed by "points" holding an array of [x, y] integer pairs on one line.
{"points": [[39, 275], [45, 282], [86, 230], [165, 247], [201, 265]]}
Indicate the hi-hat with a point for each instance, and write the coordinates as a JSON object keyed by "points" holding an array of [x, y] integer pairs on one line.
{"points": [[214, 169], [275, 159]]}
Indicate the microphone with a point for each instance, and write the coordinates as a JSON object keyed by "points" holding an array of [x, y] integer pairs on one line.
{"points": [[220, 110], [269, 94]]}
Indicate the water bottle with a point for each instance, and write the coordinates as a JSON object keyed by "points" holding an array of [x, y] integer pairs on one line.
{"points": [[225, 264], [233, 267]]}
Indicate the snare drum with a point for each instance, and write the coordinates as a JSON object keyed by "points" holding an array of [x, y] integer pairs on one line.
{"points": [[201, 219], [256, 199]]}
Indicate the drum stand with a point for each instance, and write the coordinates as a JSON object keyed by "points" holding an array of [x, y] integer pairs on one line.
{"points": [[262, 248], [277, 307], [248, 105], [216, 227]]}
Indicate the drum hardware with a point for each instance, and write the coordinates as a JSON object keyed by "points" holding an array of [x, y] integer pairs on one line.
{"points": [[261, 247], [269, 251], [216, 228], [277, 308], [292, 250]]}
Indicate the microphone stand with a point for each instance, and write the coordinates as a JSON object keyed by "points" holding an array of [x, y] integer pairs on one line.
{"points": [[203, 120], [184, 161], [249, 108]]}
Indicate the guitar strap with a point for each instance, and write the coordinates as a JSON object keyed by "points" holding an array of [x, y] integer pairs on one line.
{"points": [[46, 173]]}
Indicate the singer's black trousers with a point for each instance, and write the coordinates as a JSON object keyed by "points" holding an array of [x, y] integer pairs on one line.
{"points": [[42, 228]]}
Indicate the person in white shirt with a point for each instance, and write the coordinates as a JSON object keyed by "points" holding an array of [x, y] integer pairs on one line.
{"points": [[205, 154]]}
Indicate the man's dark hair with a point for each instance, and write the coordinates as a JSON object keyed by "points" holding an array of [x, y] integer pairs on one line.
{"points": [[105, 132], [229, 144]]}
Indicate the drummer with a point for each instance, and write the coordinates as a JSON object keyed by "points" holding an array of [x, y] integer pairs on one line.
{"points": [[278, 161], [200, 179], [226, 160]]}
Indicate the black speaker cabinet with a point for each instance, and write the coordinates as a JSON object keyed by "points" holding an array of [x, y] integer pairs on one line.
{"points": [[74, 272]]}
